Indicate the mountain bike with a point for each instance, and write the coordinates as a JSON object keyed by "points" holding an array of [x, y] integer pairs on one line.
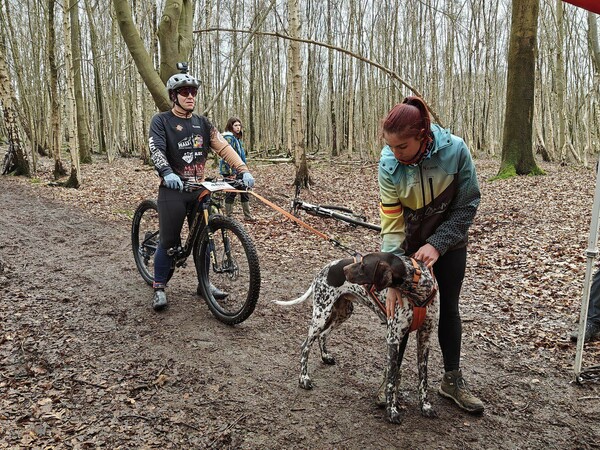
{"points": [[224, 253], [9, 163], [331, 211]]}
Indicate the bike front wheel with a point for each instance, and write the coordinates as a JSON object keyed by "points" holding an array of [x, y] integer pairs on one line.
{"points": [[145, 239], [9, 163], [227, 262]]}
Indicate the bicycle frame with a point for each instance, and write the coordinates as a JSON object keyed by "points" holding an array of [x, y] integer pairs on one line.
{"points": [[328, 212], [199, 221]]}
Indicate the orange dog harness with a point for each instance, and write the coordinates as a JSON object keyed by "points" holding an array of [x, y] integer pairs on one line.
{"points": [[419, 305]]}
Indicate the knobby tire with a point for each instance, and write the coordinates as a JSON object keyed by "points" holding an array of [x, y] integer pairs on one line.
{"points": [[237, 271], [145, 239], [9, 162]]}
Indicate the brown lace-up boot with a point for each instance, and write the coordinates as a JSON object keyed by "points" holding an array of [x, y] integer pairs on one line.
{"points": [[455, 388]]}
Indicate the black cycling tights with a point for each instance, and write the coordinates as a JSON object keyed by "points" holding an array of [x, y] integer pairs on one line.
{"points": [[450, 271], [173, 208]]}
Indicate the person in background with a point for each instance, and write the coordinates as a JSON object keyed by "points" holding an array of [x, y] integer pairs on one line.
{"points": [[179, 142], [429, 195], [592, 326], [233, 135]]}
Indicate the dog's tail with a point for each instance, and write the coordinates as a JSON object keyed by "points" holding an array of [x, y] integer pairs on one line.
{"points": [[297, 300]]}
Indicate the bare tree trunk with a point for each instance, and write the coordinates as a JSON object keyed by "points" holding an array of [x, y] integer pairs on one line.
{"points": [[98, 89], [310, 103], [26, 104], [350, 109], [140, 55], [593, 41], [330, 89], [254, 86], [560, 80], [517, 148], [55, 141], [540, 144], [138, 139], [23, 167], [175, 35], [298, 148], [74, 180], [85, 146], [595, 55]]}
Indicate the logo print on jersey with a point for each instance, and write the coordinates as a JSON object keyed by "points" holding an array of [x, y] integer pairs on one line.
{"points": [[185, 143], [188, 157], [198, 141], [179, 127]]}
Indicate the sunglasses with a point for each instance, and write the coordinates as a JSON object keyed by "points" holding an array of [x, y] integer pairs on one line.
{"points": [[186, 91]]}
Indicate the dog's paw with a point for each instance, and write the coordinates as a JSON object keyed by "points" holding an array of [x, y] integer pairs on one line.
{"points": [[428, 411], [393, 414], [328, 359], [305, 383]]}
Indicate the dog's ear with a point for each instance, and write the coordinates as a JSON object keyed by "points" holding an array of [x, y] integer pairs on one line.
{"points": [[383, 276], [335, 275], [398, 269]]}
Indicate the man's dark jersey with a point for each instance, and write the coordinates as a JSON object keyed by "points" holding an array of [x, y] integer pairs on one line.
{"points": [[181, 146]]}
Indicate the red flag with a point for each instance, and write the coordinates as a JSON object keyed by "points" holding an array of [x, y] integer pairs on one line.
{"points": [[590, 5]]}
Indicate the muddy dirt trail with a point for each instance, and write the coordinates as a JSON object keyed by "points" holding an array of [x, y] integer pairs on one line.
{"points": [[85, 362]]}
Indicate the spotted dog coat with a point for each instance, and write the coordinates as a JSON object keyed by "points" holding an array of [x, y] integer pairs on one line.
{"points": [[341, 282]]}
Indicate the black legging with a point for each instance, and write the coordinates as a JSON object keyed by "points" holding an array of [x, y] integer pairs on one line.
{"points": [[173, 208], [450, 272]]}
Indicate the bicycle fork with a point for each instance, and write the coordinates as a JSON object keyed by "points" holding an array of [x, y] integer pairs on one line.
{"points": [[227, 264], [211, 241]]}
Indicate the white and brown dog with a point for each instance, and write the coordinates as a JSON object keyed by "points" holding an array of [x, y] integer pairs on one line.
{"points": [[366, 280]]}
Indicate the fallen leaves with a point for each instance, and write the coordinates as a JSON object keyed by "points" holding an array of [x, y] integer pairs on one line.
{"points": [[70, 379]]}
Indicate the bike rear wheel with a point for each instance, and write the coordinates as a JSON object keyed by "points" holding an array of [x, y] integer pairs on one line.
{"points": [[9, 163], [235, 269], [145, 239]]}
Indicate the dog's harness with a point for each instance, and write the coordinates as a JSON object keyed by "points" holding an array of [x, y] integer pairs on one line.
{"points": [[419, 304]]}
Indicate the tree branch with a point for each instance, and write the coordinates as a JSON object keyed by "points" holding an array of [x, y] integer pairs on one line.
{"points": [[140, 55], [239, 57], [390, 72]]}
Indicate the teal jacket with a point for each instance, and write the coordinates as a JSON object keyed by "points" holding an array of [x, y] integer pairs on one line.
{"points": [[432, 202], [224, 168]]}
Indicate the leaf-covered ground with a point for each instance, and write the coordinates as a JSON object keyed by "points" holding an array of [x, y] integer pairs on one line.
{"points": [[86, 363]]}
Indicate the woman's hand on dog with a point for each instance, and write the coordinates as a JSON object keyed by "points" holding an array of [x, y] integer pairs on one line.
{"points": [[392, 298], [428, 254]]}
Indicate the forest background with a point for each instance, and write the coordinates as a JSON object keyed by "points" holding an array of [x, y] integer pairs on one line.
{"points": [[309, 78], [75, 86]]}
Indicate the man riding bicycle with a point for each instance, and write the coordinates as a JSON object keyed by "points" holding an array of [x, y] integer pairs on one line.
{"points": [[179, 142]]}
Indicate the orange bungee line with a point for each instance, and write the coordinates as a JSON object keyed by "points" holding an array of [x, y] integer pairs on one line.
{"points": [[295, 219]]}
